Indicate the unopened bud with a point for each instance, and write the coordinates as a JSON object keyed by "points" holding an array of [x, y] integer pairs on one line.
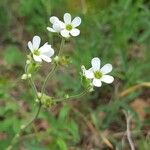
{"points": [[56, 59], [39, 95], [24, 76], [29, 75], [28, 62]]}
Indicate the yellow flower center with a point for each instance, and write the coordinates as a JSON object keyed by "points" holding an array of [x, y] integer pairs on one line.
{"points": [[98, 74], [36, 52], [69, 27]]}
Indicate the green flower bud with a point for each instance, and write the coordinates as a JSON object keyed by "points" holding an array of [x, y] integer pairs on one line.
{"points": [[24, 76], [28, 62]]}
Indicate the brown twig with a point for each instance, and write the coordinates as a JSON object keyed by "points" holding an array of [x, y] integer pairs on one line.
{"points": [[128, 132]]}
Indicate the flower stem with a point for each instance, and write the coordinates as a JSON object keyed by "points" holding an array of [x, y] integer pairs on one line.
{"points": [[31, 82], [47, 78], [73, 96], [61, 46], [17, 136], [54, 68]]}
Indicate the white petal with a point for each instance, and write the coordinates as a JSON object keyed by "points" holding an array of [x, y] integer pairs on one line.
{"points": [[45, 48], [107, 79], [50, 29], [62, 25], [30, 46], [36, 42], [37, 58], [89, 74], [95, 63], [53, 19], [57, 27], [76, 22], [67, 18], [97, 82], [106, 68], [50, 53], [65, 33], [45, 58], [75, 32]]}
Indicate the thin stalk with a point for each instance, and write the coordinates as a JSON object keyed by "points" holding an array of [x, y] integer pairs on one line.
{"points": [[47, 78], [31, 82], [17, 136], [128, 132], [54, 68], [73, 96]]}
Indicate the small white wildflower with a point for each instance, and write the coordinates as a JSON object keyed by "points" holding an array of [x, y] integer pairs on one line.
{"points": [[70, 26], [67, 27], [97, 74], [40, 53], [57, 25]]}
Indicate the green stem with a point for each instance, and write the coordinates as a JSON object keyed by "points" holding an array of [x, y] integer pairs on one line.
{"points": [[31, 82], [17, 136], [73, 96], [61, 46], [54, 68], [47, 78]]}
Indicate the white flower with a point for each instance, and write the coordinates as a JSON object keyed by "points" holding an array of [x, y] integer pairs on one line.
{"points": [[70, 26], [40, 53], [57, 25], [97, 74], [67, 27]]}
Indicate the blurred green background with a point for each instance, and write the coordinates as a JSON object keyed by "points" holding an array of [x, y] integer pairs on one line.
{"points": [[116, 31]]}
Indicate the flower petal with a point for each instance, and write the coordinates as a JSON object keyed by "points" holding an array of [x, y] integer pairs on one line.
{"points": [[37, 58], [57, 27], [65, 33], [36, 42], [97, 82], [76, 22], [67, 18], [107, 79], [53, 19], [45, 48], [30, 46], [95, 63], [106, 68], [45, 58], [50, 29], [75, 32], [89, 74]]}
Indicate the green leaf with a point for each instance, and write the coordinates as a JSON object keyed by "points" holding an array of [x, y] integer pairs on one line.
{"points": [[62, 145]]}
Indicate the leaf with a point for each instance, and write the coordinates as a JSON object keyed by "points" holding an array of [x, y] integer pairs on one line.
{"points": [[62, 145]]}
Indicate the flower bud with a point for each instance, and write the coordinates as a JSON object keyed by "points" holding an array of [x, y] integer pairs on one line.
{"points": [[24, 76], [28, 62], [29, 75], [56, 59], [39, 95]]}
